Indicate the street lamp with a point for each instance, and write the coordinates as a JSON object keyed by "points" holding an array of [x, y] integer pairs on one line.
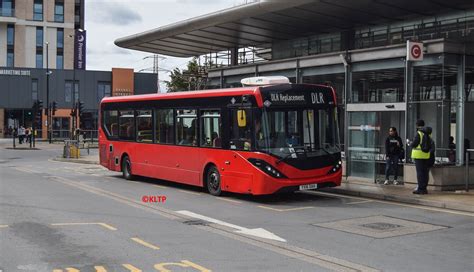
{"points": [[48, 114]]}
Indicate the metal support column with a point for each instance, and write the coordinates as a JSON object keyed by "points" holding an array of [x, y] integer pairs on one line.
{"points": [[460, 111], [298, 74], [345, 99], [408, 98]]}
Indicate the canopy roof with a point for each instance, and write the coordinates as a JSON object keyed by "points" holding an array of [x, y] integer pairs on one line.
{"points": [[262, 23]]}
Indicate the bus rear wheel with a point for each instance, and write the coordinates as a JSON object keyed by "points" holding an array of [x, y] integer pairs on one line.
{"points": [[127, 168], [213, 181]]}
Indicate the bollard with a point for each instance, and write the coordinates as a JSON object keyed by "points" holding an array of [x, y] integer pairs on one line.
{"points": [[467, 169]]}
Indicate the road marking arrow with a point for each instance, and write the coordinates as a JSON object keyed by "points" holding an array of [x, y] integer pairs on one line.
{"points": [[258, 232]]}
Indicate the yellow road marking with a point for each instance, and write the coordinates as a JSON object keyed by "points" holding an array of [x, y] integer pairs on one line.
{"points": [[359, 202], [228, 200], [131, 268], [3, 226], [396, 203], [189, 192], [143, 243], [69, 269], [159, 186], [100, 269], [285, 210], [107, 226]]}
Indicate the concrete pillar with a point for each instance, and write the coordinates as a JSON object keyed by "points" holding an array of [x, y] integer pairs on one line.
{"points": [[345, 99], [234, 56], [410, 113], [461, 102]]}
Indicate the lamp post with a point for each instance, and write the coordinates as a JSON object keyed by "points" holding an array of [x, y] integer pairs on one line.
{"points": [[48, 112]]}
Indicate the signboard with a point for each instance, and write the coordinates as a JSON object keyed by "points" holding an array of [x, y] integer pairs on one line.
{"points": [[80, 50], [10, 72], [297, 95], [414, 51], [122, 82]]}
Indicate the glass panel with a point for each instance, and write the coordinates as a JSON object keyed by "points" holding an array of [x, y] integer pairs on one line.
{"points": [[39, 60], [59, 11], [211, 128], [10, 35], [38, 10], [186, 128], [59, 62], [144, 126], [362, 148], [126, 125], [10, 59], [111, 123], [164, 126], [381, 86], [60, 38]]}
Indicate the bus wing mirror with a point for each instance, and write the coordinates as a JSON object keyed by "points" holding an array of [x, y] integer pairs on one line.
{"points": [[241, 118]]}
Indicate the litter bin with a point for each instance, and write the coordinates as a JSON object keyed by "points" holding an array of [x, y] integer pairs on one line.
{"points": [[71, 149]]}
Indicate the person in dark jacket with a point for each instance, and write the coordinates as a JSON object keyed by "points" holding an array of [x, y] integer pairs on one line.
{"points": [[393, 152], [421, 158]]}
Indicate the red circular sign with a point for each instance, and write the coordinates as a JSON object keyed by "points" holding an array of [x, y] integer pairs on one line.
{"points": [[416, 51]]}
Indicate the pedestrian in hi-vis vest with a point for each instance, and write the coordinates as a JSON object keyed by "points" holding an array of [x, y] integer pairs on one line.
{"points": [[423, 155]]}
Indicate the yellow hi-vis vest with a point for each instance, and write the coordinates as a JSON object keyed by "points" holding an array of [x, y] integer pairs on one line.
{"points": [[417, 153]]}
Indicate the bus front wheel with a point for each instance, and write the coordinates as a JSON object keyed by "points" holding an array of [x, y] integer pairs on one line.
{"points": [[127, 168], [213, 181]]}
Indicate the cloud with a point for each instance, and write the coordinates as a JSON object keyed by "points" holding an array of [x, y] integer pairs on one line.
{"points": [[113, 13]]}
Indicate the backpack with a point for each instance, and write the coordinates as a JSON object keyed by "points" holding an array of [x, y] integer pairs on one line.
{"points": [[431, 160], [426, 143]]}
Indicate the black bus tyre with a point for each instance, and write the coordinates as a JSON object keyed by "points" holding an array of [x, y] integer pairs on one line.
{"points": [[127, 168], [213, 181]]}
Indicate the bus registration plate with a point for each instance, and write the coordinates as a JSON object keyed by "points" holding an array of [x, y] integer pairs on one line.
{"points": [[308, 187]]}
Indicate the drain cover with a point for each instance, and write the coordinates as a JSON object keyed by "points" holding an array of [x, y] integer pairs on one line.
{"points": [[379, 226]]}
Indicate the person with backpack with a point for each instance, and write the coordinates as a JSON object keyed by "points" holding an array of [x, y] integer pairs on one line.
{"points": [[423, 154], [393, 152]]}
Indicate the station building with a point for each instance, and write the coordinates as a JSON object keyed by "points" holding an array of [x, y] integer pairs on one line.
{"points": [[43, 47], [360, 48]]}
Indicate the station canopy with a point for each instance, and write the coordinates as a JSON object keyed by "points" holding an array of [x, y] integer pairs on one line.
{"points": [[259, 24]]}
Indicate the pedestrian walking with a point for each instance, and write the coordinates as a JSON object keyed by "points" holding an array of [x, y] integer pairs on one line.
{"points": [[393, 153], [27, 135], [423, 155], [21, 134]]}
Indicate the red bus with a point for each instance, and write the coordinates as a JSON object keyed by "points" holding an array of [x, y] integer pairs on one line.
{"points": [[251, 140]]}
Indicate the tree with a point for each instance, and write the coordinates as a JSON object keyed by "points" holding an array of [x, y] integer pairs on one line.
{"points": [[194, 77]]}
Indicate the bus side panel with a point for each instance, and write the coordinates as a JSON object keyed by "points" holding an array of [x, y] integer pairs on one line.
{"points": [[174, 163]]}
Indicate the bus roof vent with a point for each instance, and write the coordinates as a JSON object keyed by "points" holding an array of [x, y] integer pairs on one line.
{"points": [[268, 80]]}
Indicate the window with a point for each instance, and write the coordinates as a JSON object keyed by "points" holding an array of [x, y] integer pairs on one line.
{"points": [[164, 126], [111, 123], [69, 93], [59, 11], [60, 61], [186, 127], [10, 59], [144, 126], [38, 10], [127, 125], [39, 37], [7, 8], [10, 34], [240, 136], [39, 59], [211, 132], [34, 89], [103, 90], [60, 37]]}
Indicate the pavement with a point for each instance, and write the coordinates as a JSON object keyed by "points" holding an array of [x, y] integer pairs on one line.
{"points": [[459, 200]]}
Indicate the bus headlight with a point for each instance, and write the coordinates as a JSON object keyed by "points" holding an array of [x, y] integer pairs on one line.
{"points": [[336, 167], [267, 168]]}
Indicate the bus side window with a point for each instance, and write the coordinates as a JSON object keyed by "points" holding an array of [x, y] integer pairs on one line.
{"points": [[111, 123], [211, 131]]}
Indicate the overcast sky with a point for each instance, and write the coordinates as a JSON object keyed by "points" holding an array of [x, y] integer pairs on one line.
{"points": [[107, 20]]}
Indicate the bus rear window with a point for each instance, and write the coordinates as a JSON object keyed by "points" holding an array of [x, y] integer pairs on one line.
{"points": [[111, 123]]}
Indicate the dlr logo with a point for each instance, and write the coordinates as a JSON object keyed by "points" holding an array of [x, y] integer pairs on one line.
{"points": [[317, 98]]}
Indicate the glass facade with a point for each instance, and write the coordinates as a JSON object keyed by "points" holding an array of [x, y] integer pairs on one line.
{"points": [[59, 11], [104, 89], [7, 8]]}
